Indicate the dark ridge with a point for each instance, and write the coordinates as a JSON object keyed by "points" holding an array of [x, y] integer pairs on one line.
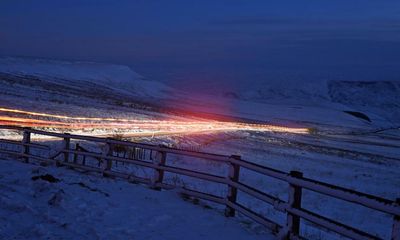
{"points": [[358, 115], [46, 177]]}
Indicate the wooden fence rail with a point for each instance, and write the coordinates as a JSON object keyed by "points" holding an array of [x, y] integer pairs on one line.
{"points": [[292, 207]]}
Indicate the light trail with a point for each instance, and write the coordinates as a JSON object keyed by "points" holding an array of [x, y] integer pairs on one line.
{"points": [[8, 110], [139, 127]]}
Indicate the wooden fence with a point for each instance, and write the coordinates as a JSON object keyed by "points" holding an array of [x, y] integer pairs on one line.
{"points": [[292, 207]]}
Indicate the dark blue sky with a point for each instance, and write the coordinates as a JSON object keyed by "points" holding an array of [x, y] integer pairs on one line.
{"points": [[212, 41]]}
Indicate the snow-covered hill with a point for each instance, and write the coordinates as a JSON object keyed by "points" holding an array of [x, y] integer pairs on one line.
{"points": [[121, 78], [380, 97], [346, 92], [367, 162], [374, 98], [310, 103]]}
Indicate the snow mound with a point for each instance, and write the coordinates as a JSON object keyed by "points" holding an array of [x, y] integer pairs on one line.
{"points": [[118, 77]]}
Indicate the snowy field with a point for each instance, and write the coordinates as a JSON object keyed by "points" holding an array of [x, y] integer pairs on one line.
{"points": [[341, 149], [73, 205]]}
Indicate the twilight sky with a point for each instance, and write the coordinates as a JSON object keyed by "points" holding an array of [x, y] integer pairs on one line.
{"points": [[213, 42]]}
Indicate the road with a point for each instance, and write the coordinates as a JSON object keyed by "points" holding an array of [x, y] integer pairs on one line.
{"points": [[136, 127]]}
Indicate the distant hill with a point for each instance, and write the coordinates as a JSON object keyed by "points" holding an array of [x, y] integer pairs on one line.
{"points": [[381, 98], [117, 77]]}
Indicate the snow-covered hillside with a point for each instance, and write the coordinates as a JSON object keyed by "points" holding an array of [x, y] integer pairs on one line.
{"points": [[315, 104], [117, 77], [356, 106], [77, 88], [377, 99], [49, 203], [367, 161]]}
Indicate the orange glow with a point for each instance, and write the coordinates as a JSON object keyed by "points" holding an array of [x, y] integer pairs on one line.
{"points": [[139, 127]]}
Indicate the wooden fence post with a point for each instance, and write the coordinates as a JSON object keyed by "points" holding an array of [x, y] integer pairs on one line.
{"points": [[66, 147], [26, 140], [396, 225], [75, 154], [159, 160], [294, 201], [233, 175], [107, 151]]}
